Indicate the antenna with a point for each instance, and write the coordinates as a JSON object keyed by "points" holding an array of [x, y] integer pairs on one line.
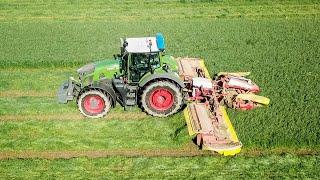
{"points": [[149, 59]]}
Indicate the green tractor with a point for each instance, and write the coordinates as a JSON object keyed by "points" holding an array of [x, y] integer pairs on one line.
{"points": [[140, 75]]}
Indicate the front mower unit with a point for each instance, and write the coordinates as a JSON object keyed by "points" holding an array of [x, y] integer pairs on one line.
{"points": [[142, 74]]}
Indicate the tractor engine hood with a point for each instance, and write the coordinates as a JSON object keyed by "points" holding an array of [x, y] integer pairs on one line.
{"points": [[104, 65], [95, 71]]}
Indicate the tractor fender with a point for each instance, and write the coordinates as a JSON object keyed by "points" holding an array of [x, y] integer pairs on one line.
{"points": [[106, 86], [171, 76]]}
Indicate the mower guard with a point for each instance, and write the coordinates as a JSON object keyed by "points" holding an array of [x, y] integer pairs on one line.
{"points": [[215, 132], [65, 92], [239, 74], [255, 98]]}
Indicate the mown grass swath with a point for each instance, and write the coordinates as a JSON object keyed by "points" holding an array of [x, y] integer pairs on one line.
{"points": [[148, 133], [287, 166]]}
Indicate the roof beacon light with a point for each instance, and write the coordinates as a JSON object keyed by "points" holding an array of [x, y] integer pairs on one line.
{"points": [[160, 41]]}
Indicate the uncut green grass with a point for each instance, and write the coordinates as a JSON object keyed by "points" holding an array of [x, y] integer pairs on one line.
{"points": [[239, 43], [265, 167], [21, 80]]}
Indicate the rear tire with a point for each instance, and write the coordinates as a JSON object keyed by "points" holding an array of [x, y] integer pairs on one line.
{"points": [[94, 104], [161, 99]]}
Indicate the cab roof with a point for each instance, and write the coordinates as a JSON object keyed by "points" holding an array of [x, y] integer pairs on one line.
{"points": [[141, 45]]}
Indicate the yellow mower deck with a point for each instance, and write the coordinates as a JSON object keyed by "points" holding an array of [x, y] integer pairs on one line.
{"points": [[218, 134], [213, 130]]}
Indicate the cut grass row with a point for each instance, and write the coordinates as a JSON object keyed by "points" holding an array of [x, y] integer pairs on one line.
{"points": [[125, 116], [113, 135], [67, 154], [188, 150], [266, 167], [146, 133]]}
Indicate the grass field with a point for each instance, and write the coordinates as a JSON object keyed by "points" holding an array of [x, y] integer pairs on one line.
{"points": [[43, 43], [268, 167]]}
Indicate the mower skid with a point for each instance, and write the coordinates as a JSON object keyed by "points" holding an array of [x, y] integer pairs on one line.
{"points": [[65, 92], [215, 132]]}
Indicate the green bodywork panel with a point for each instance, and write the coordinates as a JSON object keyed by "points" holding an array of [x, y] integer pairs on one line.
{"points": [[105, 68], [170, 61]]}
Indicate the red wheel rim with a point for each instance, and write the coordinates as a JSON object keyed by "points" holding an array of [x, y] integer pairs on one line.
{"points": [[93, 104], [161, 99]]}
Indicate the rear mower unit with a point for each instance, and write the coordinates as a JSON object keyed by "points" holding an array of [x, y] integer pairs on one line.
{"points": [[161, 85]]}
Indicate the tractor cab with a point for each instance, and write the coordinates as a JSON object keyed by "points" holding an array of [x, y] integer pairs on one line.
{"points": [[142, 63], [140, 56], [140, 59]]}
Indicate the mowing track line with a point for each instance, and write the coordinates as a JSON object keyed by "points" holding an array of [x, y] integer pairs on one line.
{"points": [[189, 151], [125, 116], [101, 153], [14, 93]]}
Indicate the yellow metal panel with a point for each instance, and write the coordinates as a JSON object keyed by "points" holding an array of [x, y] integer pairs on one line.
{"points": [[255, 98], [242, 74], [226, 152], [188, 121], [229, 152], [192, 132], [225, 116], [203, 66]]}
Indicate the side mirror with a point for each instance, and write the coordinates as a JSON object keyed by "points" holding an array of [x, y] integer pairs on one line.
{"points": [[120, 65]]}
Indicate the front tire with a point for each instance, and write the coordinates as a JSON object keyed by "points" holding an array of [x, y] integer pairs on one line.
{"points": [[161, 99], [94, 104]]}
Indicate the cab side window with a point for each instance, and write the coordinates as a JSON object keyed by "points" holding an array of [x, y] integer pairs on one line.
{"points": [[141, 63]]}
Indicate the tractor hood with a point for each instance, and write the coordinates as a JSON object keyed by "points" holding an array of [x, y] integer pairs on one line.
{"points": [[109, 64], [105, 68], [104, 64]]}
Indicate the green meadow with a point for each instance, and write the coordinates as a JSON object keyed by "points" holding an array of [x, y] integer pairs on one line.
{"points": [[43, 43]]}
